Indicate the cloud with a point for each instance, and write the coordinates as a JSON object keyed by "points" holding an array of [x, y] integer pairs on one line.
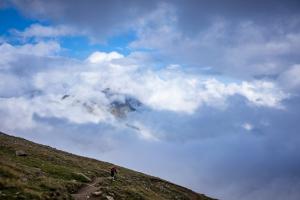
{"points": [[98, 19], [243, 49], [10, 53], [144, 132], [41, 31], [291, 78], [98, 57], [17, 85], [227, 37], [247, 126], [9, 108], [112, 13], [84, 81]]}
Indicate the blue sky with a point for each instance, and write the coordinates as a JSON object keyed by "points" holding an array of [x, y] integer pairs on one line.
{"points": [[218, 85], [12, 19], [78, 46]]}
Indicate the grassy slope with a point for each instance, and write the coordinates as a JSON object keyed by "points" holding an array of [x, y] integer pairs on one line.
{"points": [[47, 173]]}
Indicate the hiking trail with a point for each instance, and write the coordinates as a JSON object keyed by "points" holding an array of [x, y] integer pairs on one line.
{"points": [[88, 191]]}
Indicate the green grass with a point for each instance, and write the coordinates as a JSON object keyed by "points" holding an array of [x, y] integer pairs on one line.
{"points": [[48, 173]]}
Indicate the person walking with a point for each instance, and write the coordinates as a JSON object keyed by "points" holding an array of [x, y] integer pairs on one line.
{"points": [[113, 172]]}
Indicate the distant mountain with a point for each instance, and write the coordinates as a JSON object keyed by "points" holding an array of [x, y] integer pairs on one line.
{"points": [[33, 171], [119, 104]]}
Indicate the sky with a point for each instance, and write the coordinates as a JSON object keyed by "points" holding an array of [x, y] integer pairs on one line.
{"points": [[218, 83]]}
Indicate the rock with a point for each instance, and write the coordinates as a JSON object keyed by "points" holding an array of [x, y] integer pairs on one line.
{"points": [[109, 197], [111, 194], [97, 193], [21, 153], [65, 96]]}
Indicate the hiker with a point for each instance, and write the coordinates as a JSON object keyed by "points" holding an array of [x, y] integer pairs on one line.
{"points": [[113, 172]]}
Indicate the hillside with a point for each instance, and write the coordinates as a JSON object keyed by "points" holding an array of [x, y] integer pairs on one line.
{"points": [[42, 172]]}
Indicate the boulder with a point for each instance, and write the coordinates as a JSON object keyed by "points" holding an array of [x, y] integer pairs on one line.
{"points": [[109, 197], [97, 193]]}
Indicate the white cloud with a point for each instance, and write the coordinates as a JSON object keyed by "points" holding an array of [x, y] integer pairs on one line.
{"points": [[10, 53], [99, 57], [167, 90], [75, 110], [247, 126], [40, 31], [161, 90], [17, 85], [18, 114], [260, 93], [164, 89], [40, 49], [244, 49]]}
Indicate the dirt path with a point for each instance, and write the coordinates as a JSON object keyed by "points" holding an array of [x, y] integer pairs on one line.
{"points": [[86, 191]]}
